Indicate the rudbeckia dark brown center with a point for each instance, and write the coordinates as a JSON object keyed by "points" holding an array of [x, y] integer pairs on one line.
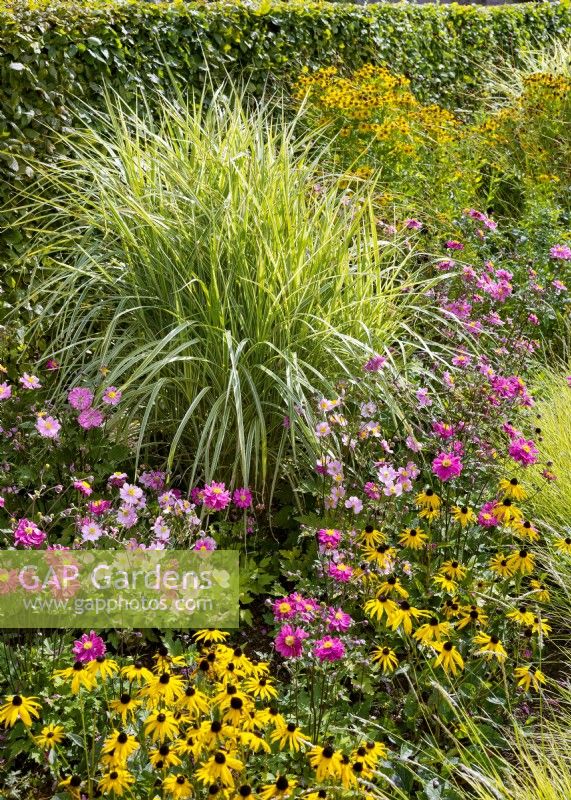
{"points": [[125, 699], [16, 700], [282, 783], [220, 758], [328, 751], [291, 727], [122, 738]]}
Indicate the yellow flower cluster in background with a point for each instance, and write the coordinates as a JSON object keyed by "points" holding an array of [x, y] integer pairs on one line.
{"points": [[374, 103]]}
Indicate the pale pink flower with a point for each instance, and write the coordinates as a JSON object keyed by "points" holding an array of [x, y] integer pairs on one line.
{"points": [[111, 396], [48, 427], [30, 381]]}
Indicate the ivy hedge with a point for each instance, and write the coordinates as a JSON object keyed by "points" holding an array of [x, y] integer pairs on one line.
{"points": [[53, 52]]}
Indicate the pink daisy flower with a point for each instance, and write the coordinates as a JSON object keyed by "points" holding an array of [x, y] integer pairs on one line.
{"points": [[205, 543], [284, 608], [329, 649], [130, 494], [215, 496], [338, 620], [242, 498], [117, 479], [342, 573], [5, 391], [90, 530], [329, 538], [289, 641], [30, 381], [89, 647], [561, 252], [524, 451], [28, 535], [99, 507], [84, 487], [112, 396], [447, 466], [48, 427]]}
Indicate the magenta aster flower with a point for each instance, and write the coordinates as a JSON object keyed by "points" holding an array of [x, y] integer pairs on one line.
{"points": [[342, 573], [47, 426], [372, 490], [329, 649], [289, 641], [329, 538], [216, 497], [112, 396], [413, 224], [338, 620], [447, 466], [154, 479], [99, 507], [205, 543], [242, 498], [90, 418], [375, 364], [89, 647], [284, 608], [561, 252], [452, 244], [84, 487], [486, 517], [524, 451], [117, 479], [80, 398], [28, 534], [5, 391]]}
